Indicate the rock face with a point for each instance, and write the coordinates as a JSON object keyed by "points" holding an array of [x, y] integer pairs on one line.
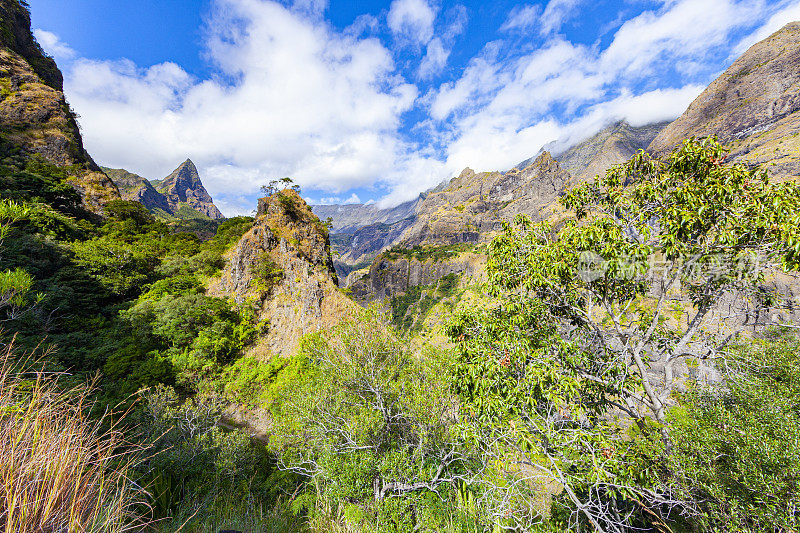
{"points": [[468, 210], [752, 106], [288, 244], [614, 144], [179, 195], [34, 115], [388, 278], [472, 207], [356, 250]]}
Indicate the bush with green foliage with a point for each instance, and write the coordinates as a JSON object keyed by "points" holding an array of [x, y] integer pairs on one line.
{"points": [[372, 426], [736, 446]]}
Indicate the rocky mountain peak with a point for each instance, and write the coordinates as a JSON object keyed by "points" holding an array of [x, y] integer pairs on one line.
{"points": [[184, 188], [180, 195], [183, 179], [466, 173]]}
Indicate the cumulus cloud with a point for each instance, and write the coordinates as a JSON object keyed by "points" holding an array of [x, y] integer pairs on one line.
{"points": [[306, 102], [502, 107], [53, 45], [412, 19]]}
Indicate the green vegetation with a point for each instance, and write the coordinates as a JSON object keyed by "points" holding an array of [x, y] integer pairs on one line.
{"points": [[268, 273], [425, 253], [371, 429], [585, 391], [736, 445], [572, 367], [410, 309]]}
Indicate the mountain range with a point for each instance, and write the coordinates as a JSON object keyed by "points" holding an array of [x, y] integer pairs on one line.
{"points": [[752, 107]]}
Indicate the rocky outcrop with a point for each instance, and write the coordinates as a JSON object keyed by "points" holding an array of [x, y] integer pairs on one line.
{"points": [[283, 264], [34, 115], [184, 190], [180, 195], [753, 107]]}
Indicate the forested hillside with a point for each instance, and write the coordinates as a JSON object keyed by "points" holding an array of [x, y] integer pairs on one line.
{"points": [[530, 351]]}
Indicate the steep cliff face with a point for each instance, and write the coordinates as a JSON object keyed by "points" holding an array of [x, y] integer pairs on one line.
{"points": [[34, 115], [451, 220], [355, 250], [284, 265], [753, 106], [389, 276], [180, 195], [472, 206], [183, 189]]}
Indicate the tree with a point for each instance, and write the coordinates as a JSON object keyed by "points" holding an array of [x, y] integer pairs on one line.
{"points": [[607, 316], [15, 285], [369, 424], [275, 186], [737, 445]]}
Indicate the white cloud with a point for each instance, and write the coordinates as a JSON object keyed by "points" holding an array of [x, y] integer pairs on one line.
{"points": [[293, 96], [310, 103], [556, 14], [789, 13], [53, 45], [412, 19], [684, 30], [522, 17], [435, 59], [500, 111], [336, 200]]}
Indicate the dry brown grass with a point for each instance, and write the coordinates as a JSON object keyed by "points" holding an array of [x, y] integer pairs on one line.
{"points": [[60, 470]]}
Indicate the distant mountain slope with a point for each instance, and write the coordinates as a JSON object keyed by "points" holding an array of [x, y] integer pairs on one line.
{"points": [[34, 116], [614, 144], [136, 188], [180, 195], [473, 205], [184, 188], [348, 218], [753, 106]]}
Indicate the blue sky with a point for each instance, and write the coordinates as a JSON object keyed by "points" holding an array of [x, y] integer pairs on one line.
{"points": [[368, 100]]}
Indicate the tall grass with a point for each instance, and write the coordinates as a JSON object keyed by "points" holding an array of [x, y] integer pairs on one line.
{"points": [[60, 470]]}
